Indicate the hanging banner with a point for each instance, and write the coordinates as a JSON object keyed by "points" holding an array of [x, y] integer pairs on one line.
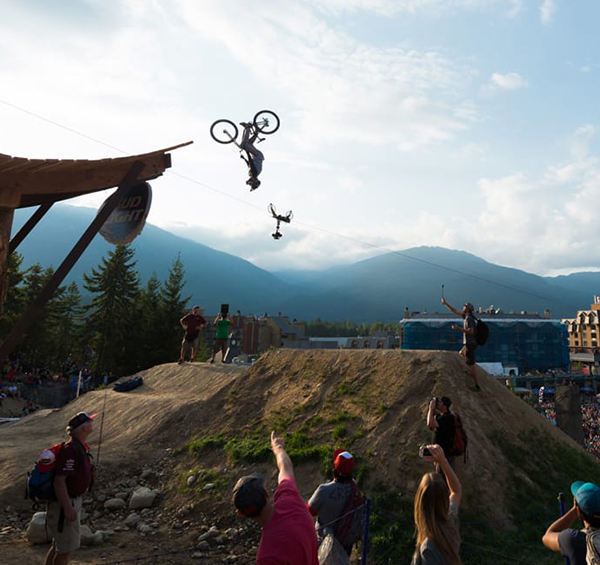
{"points": [[128, 219]]}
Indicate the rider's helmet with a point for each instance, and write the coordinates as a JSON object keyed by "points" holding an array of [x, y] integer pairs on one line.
{"points": [[253, 182]]}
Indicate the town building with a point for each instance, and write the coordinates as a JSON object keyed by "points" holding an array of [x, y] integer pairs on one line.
{"points": [[583, 332], [524, 340]]}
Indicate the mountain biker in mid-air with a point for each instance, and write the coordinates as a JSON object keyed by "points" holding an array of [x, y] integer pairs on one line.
{"points": [[225, 131], [254, 158]]}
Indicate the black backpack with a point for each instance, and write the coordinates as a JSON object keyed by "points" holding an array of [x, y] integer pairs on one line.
{"points": [[126, 386], [482, 332]]}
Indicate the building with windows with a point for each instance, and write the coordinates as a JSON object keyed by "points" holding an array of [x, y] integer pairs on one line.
{"points": [[525, 340], [583, 332]]}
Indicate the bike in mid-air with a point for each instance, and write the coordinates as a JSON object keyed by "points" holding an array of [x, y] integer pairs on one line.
{"points": [[287, 218], [264, 122]]}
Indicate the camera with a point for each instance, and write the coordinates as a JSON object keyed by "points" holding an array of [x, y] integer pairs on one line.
{"points": [[424, 451]]}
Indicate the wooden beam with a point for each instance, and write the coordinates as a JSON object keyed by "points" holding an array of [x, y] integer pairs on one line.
{"points": [[36, 308], [6, 219], [28, 226]]}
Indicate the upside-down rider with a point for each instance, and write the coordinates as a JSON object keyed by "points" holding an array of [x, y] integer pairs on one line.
{"points": [[254, 158]]}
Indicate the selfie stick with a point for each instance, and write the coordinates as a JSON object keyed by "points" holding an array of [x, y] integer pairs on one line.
{"points": [[442, 291]]}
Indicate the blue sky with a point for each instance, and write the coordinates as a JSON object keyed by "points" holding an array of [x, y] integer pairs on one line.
{"points": [[468, 124]]}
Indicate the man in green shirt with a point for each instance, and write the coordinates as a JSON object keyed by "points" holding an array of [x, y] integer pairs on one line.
{"points": [[222, 323]]}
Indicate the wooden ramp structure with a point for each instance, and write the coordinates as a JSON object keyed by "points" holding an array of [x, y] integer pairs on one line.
{"points": [[42, 182]]}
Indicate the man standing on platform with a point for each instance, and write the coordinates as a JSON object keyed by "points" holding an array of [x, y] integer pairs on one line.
{"points": [[192, 323]]}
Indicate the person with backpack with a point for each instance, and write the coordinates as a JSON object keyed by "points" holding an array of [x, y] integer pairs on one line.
{"points": [[578, 545], [72, 478], [338, 504], [468, 329], [436, 514], [442, 422]]}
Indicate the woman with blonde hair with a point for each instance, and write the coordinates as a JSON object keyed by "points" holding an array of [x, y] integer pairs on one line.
{"points": [[436, 514]]}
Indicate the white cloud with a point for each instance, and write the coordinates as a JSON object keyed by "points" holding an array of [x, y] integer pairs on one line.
{"points": [[435, 7], [508, 81], [343, 90], [547, 11], [580, 141]]}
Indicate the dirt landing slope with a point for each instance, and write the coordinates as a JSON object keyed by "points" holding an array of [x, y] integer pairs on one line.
{"points": [[372, 402]]}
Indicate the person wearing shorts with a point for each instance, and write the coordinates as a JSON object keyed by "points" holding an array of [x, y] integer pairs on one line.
{"points": [[222, 323], [73, 477], [192, 323]]}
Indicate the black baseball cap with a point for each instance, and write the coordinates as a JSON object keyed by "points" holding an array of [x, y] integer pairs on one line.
{"points": [[249, 495], [78, 420]]}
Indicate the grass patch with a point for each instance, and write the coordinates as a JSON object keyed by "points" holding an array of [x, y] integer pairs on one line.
{"points": [[345, 389], [339, 431], [200, 445], [358, 434], [203, 477], [254, 447], [341, 417]]}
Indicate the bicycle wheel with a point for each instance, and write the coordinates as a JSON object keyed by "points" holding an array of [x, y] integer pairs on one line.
{"points": [[266, 122], [224, 131]]}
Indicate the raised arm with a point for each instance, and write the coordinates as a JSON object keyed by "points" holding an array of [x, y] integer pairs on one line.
{"points": [[432, 423], [284, 463], [451, 308], [451, 479], [550, 538]]}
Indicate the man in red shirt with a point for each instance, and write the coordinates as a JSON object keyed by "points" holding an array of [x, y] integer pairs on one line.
{"points": [[72, 478], [192, 323], [288, 534]]}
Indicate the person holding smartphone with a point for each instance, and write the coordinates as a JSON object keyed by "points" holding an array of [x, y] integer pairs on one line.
{"points": [[441, 421], [222, 323], [436, 513]]}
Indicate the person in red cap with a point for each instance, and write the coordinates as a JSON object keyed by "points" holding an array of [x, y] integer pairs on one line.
{"points": [[288, 536], [73, 477], [330, 501]]}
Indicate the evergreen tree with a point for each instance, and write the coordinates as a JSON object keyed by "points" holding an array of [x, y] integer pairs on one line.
{"points": [[150, 348], [173, 308], [115, 286], [14, 306], [69, 323], [39, 345]]}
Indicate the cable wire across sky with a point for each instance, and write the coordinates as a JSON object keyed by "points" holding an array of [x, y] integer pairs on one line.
{"points": [[306, 226]]}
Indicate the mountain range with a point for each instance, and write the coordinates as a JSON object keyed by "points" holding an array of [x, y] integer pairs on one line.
{"points": [[376, 289]]}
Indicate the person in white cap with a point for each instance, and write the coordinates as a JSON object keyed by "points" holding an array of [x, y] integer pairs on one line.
{"points": [[73, 477], [571, 543], [330, 501], [468, 330]]}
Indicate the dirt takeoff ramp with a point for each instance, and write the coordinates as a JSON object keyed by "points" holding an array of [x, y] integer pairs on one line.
{"points": [[138, 425]]}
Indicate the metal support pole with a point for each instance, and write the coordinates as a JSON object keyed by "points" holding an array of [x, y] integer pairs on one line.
{"points": [[36, 308], [561, 510], [28, 226], [365, 547]]}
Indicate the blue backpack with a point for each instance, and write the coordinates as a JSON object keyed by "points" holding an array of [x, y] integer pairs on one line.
{"points": [[40, 480]]}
